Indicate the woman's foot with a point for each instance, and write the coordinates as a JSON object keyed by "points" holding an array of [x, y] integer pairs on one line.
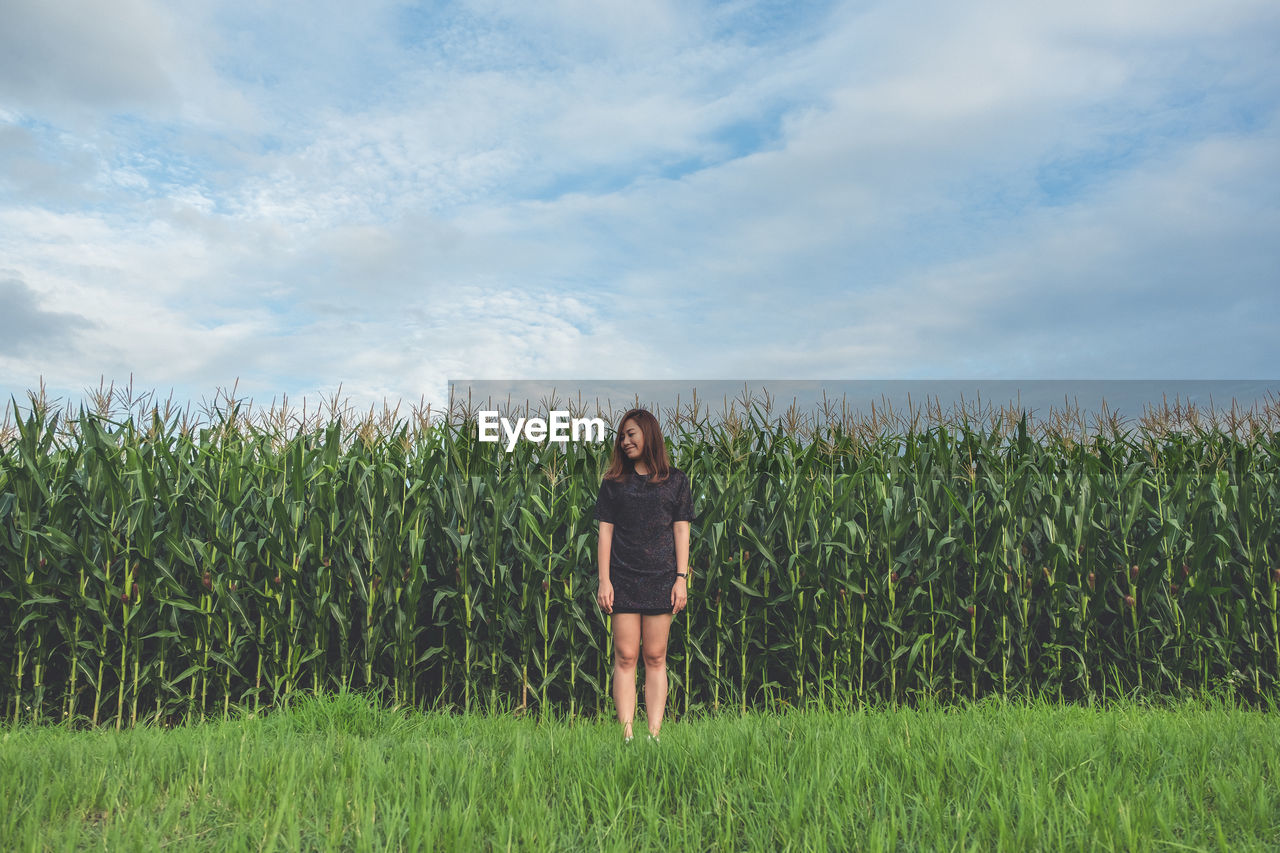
{"points": [[626, 733]]}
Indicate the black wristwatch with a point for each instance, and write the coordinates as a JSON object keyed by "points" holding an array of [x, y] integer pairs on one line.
{"points": [[684, 575]]}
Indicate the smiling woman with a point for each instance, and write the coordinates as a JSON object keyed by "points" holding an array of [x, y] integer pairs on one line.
{"points": [[644, 508]]}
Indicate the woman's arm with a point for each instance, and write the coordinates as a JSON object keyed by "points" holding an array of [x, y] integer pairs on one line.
{"points": [[680, 592], [606, 543], [681, 530]]}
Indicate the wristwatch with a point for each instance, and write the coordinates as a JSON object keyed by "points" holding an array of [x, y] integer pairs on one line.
{"points": [[684, 575]]}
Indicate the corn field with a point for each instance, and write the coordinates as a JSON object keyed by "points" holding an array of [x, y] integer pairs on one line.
{"points": [[156, 568]]}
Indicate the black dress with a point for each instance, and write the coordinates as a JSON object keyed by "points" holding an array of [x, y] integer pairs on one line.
{"points": [[642, 557]]}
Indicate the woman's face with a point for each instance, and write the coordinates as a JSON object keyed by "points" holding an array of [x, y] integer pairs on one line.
{"points": [[632, 440]]}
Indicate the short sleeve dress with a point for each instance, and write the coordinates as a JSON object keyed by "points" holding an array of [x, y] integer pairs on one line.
{"points": [[642, 556]]}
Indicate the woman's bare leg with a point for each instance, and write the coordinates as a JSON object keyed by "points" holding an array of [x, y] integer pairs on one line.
{"points": [[626, 651], [655, 629]]}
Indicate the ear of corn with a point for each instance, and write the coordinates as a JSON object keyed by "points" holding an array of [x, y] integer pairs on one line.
{"points": [[155, 568]]}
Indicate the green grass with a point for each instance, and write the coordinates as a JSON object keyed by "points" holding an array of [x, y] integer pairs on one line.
{"points": [[338, 773]]}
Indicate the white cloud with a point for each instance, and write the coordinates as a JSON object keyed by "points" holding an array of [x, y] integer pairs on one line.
{"points": [[87, 53], [1138, 277], [76, 60], [892, 189]]}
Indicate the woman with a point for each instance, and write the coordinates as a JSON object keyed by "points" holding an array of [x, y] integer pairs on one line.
{"points": [[644, 510]]}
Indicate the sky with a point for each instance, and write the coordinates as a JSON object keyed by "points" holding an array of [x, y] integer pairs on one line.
{"points": [[297, 197]]}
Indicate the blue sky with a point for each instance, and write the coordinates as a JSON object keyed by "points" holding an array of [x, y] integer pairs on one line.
{"points": [[387, 195]]}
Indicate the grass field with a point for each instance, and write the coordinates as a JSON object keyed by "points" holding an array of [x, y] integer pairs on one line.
{"points": [[337, 773]]}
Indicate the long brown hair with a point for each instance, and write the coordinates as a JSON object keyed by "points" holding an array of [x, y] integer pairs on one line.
{"points": [[654, 455]]}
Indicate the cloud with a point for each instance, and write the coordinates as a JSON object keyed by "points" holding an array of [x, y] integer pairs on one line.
{"points": [[27, 329], [76, 61], [87, 53], [1133, 280], [410, 193], [40, 174]]}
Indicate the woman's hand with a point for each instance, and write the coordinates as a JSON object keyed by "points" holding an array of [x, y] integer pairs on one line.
{"points": [[679, 595], [605, 596]]}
